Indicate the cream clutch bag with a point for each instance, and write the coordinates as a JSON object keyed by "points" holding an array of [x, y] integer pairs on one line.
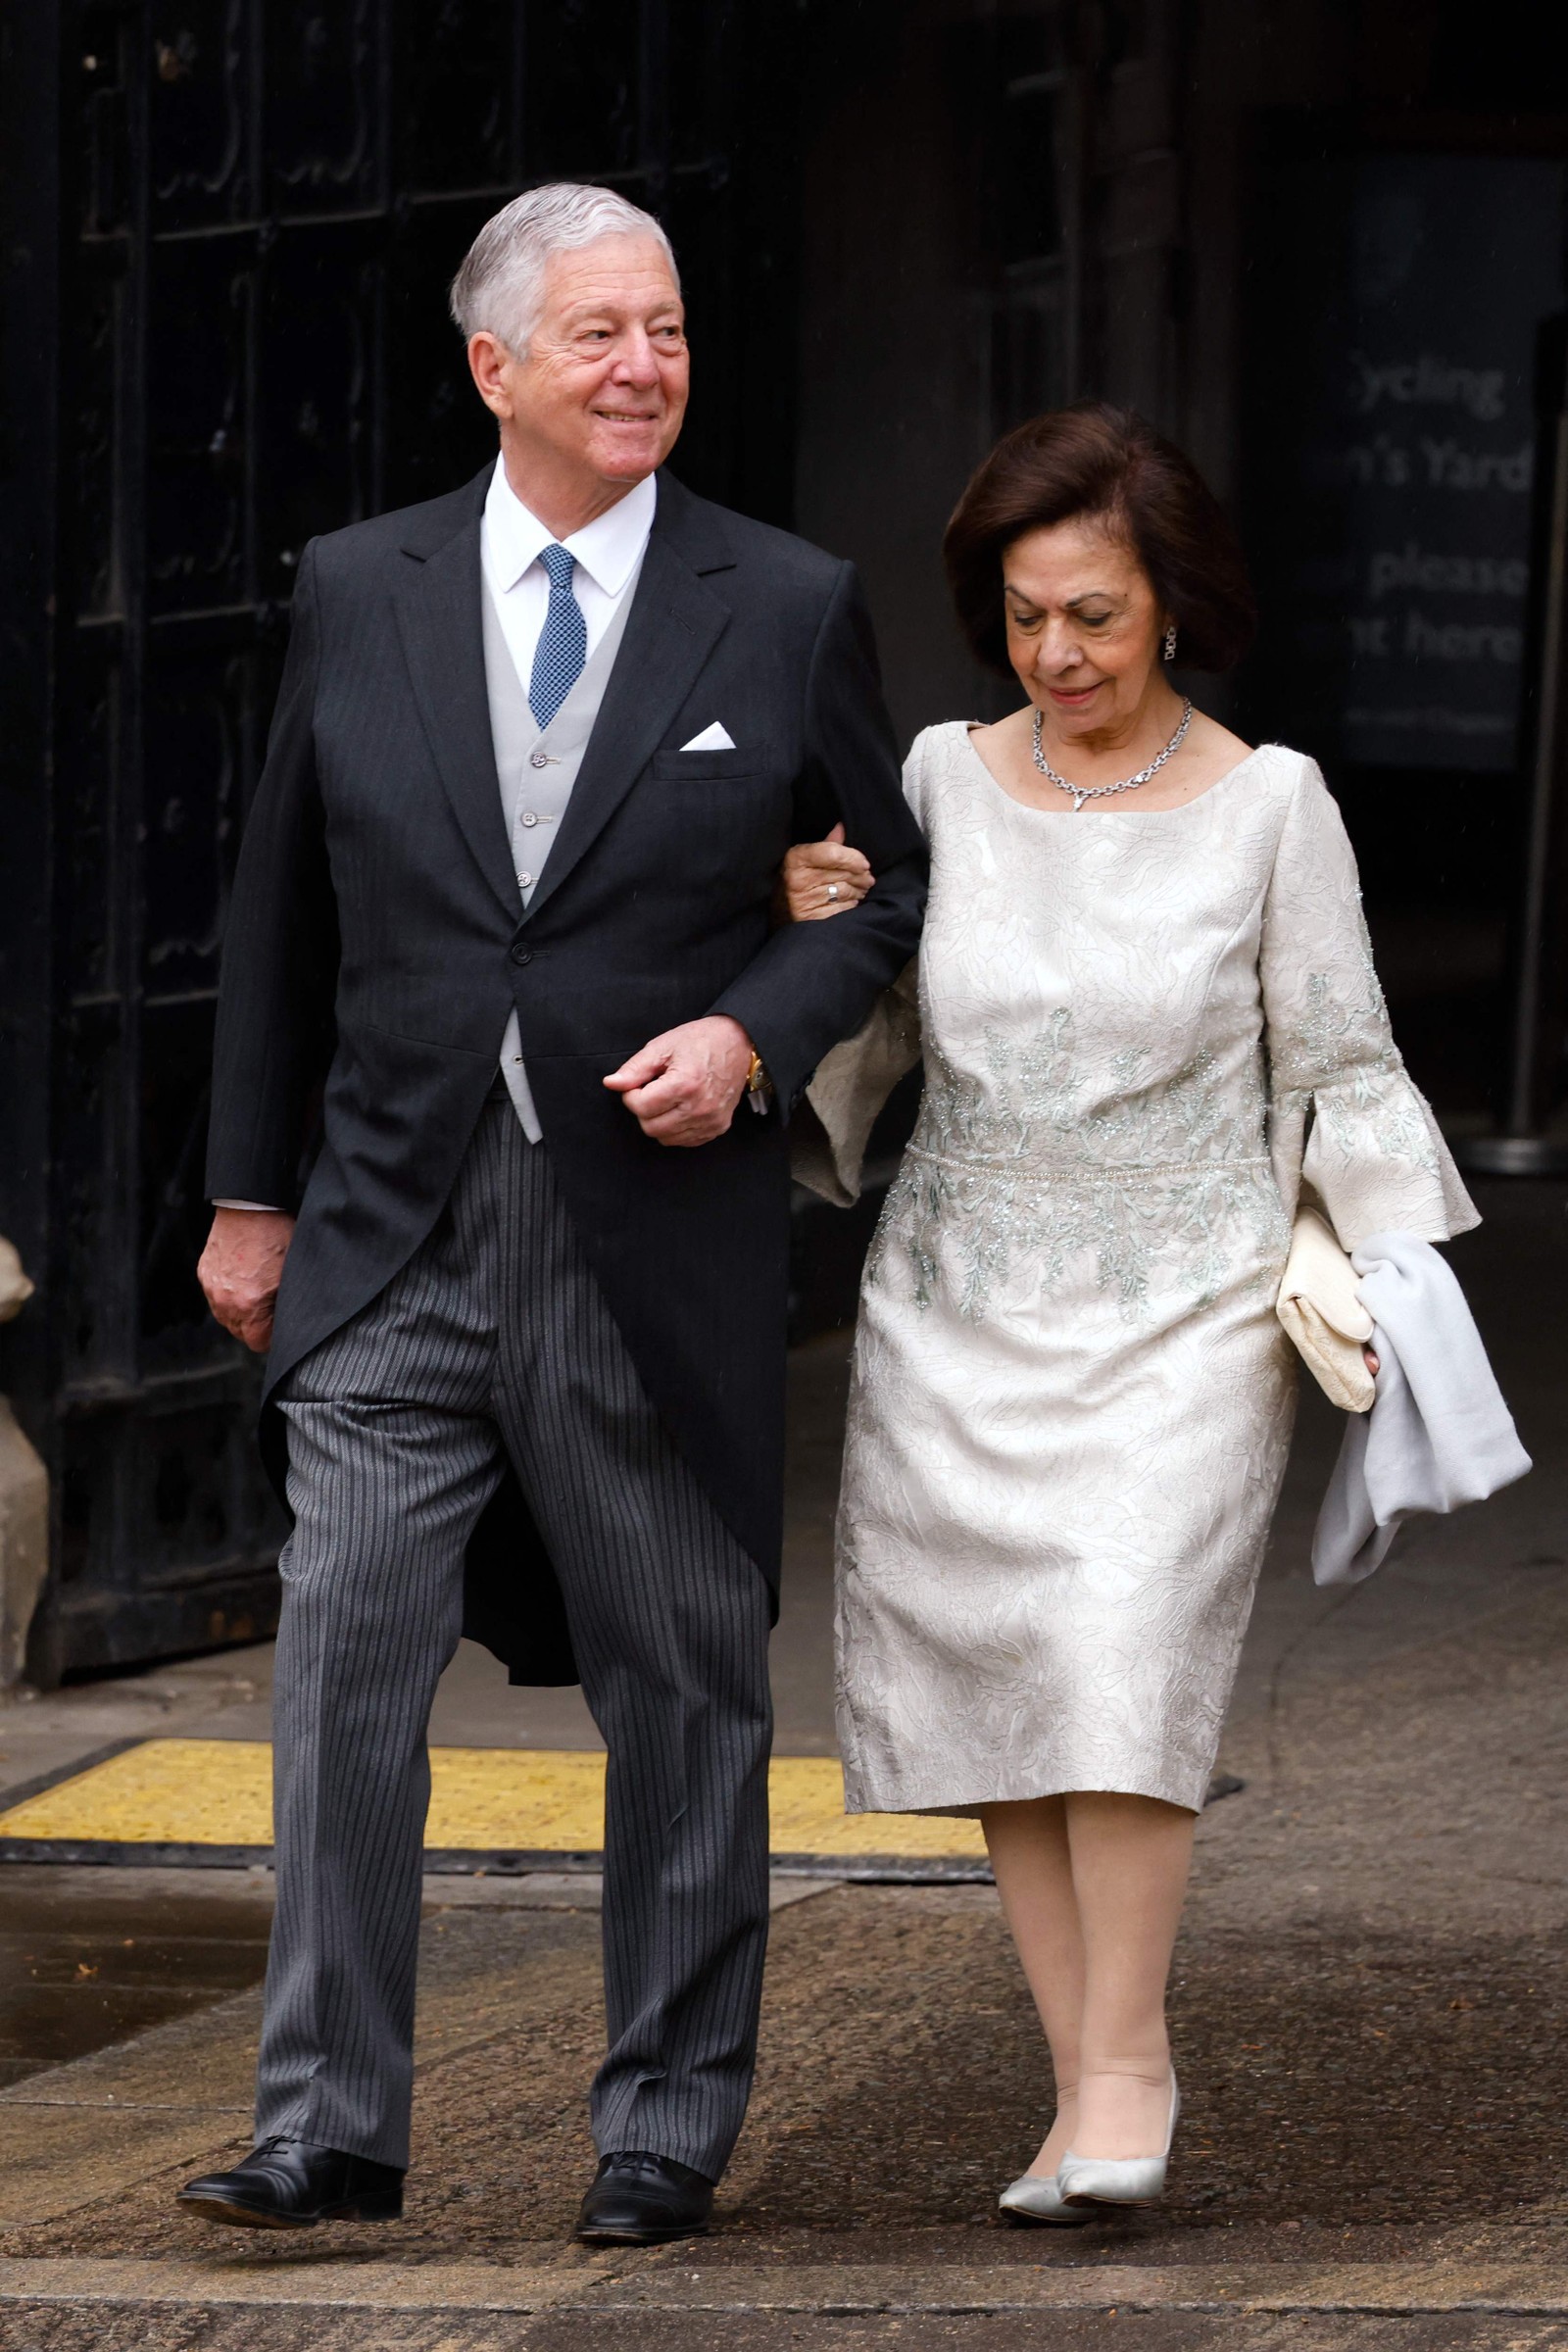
{"points": [[1321, 1313]]}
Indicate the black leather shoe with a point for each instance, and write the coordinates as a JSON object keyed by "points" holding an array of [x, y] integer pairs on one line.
{"points": [[639, 2200], [293, 2183]]}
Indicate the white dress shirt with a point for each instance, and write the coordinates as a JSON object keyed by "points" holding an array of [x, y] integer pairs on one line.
{"points": [[608, 554], [607, 551]]}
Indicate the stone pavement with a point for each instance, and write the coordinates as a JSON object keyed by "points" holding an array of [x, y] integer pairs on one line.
{"points": [[1369, 2012]]}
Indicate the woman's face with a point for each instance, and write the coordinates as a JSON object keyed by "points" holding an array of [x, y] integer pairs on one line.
{"points": [[1084, 626]]}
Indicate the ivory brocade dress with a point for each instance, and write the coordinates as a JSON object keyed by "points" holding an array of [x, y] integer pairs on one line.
{"points": [[1071, 1400]]}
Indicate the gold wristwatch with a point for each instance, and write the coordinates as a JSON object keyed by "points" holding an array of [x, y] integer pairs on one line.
{"points": [[759, 1085]]}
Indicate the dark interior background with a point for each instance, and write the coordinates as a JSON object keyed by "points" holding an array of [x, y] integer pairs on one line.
{"points": [[903, 224]]}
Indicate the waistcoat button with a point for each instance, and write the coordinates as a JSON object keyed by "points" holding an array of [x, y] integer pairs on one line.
{"points": [[529, 817], [539, 760], [521, 954]]}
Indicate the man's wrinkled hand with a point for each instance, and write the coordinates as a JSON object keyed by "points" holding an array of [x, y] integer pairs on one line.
{"points": [[241, 1268], [683, 1087]]}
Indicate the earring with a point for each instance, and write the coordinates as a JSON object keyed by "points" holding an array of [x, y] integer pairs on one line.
{"points": [[1170, 643]]}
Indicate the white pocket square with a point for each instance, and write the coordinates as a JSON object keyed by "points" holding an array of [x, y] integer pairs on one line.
{"points": [[712, 739]]}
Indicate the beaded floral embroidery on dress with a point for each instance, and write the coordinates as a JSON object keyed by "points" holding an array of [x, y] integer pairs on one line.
{"points": [[1014, 1167]]}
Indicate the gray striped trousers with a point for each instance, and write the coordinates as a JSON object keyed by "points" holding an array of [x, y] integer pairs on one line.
{"points": [[496, 1336]]}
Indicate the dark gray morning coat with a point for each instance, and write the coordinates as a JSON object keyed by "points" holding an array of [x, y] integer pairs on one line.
{"points": [[377, 945]]}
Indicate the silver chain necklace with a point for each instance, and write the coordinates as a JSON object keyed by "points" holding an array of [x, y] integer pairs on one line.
{"points": [[1097, 791]]}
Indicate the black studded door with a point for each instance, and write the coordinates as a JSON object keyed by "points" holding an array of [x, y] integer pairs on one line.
{"points": [[231, 223]]}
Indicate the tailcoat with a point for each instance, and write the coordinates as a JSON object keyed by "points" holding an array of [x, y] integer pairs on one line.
{"points": [[377, 945]]}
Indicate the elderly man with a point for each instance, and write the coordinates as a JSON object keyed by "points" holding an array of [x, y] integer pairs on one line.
{"points": [[507, 1029]]}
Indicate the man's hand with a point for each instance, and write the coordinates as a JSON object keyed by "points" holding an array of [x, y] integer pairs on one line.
{"points": [[683, 1087], [241, 1268]]}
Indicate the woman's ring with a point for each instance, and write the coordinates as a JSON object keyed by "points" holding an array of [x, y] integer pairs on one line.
{"points": [[832, 890]]}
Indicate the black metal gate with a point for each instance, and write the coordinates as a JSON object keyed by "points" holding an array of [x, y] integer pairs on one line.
{"points": [[230, 223]]}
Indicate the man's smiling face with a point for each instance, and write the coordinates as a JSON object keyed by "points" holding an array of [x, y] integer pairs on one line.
{"points": [[603, 384]]}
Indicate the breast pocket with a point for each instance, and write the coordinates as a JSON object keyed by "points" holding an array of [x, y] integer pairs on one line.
{"points": [[706, 767]]}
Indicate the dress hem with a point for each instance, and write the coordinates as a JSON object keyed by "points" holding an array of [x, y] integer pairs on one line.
{"points": [[971, 1810]]}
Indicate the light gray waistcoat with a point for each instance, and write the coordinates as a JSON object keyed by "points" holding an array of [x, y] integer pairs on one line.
{"points": [[538, 767]]}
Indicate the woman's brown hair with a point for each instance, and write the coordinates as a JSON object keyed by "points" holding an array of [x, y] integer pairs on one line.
{"points": [[1105, 464]]}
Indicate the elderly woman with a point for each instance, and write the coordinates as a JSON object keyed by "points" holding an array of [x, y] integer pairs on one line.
{"points": [[1149, 1016]]}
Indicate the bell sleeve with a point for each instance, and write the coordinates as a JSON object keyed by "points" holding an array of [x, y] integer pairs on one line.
{"points": [[1343, 1115], [833, 1121], [832, 1126]]}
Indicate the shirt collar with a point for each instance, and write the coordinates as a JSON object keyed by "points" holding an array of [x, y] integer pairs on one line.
{"points": [[608, 548]]}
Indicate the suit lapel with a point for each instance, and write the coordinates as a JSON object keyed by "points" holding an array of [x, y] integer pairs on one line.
{"points": [[441, 624], [671, 629]]}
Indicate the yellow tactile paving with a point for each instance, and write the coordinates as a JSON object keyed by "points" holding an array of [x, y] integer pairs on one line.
{"points": [[483, 1799]]}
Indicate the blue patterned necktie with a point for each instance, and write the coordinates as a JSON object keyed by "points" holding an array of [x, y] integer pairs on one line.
{"points": [[563, 648]]}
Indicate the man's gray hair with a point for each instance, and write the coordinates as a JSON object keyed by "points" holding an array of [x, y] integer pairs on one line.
{"points": [[500, 288]]}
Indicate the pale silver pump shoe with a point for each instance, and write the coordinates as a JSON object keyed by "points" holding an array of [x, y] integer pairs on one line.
{"points": [[1034, 2198], [1085, 2181]]}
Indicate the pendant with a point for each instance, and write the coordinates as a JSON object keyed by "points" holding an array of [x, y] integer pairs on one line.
{"points": [[1078, 800]]}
